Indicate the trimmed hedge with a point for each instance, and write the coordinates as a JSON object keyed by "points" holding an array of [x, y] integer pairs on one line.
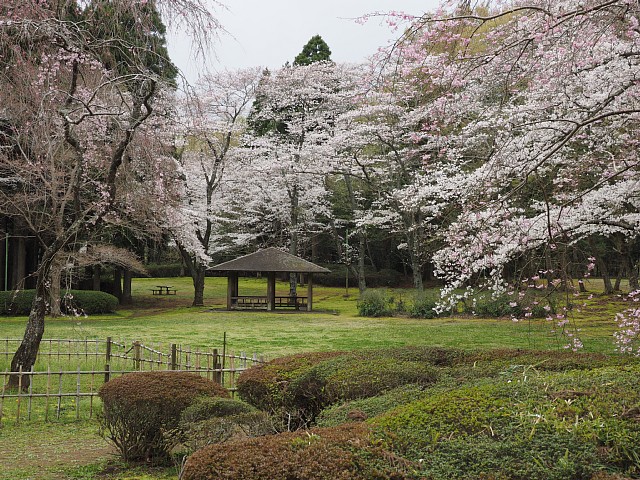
{"points": [[500, 414], [555, 425], [165, 270], [139, 407], [74, 301], [297, 388], [213, 420], [342, 453]]}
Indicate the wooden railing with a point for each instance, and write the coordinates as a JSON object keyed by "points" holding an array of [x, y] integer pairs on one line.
{"points": [[260, 301]]}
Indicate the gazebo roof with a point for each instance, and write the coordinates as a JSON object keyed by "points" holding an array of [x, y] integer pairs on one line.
{"points": [[269, 260]]}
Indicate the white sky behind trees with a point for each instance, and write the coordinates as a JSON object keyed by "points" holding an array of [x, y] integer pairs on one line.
{"points": [[269, 33]]}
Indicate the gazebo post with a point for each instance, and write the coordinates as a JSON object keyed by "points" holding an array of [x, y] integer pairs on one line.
{"points": [[232, 288], [271, 291], [310, 292]]}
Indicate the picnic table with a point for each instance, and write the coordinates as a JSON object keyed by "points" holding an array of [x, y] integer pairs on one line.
{"points": [[163, 290]]}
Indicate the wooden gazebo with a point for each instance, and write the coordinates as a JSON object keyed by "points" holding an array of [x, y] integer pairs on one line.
{"points": [[269, 261]]}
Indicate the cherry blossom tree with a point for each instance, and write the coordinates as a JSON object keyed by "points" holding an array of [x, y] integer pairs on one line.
{"points": [[214, 119], [75, 130], [293, 158], [535, 114]]}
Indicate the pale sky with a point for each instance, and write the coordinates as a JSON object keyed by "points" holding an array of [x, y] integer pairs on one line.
{"points": [[268, 33]]}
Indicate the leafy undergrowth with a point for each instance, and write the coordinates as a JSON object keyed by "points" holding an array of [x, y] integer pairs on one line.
{"points": [[501, 414]]}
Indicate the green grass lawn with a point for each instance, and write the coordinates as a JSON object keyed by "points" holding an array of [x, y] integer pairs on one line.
{"points": [[334, 325]]}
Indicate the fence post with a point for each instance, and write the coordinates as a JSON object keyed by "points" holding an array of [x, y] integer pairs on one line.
{"points": [[108, 354], [136, 355], [217, 367], [174, 356], [107, 372]]}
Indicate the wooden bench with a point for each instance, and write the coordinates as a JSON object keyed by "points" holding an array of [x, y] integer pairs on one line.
{"points": [[163, 290], [249, 301]]}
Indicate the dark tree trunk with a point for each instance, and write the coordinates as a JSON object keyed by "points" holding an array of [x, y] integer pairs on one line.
{"points": [[27, 353], [126, 287], [198, 285], [117, 283], [197, 273], [633, 276], [95, 279]]}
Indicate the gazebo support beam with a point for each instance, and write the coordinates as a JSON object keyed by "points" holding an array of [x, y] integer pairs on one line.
{"points": [[310, 292], [271, 291], [232, 288]]}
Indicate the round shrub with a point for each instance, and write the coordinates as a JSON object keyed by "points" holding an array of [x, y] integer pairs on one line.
{"points": [[209, 407], [72, 302], [213, 420], [342, 453], [375, 303], [423, 306], [89, 302], [139, 407]]}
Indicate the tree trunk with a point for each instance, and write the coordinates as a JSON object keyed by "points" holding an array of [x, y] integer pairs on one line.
{"points": [[95, 279], [362, 248], [416, 264], [604, 273], [293, 247], [27, 353], [54, 289], [198, 285], [126, 287], [633, 276], [117, 283]]}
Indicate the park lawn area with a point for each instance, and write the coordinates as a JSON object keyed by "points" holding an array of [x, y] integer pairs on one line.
{"points": [[334, 325]]}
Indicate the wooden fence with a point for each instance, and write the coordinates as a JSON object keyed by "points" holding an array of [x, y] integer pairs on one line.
{"points": [[68, 373]]}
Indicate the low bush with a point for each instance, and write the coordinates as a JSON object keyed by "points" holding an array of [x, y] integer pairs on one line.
{"points": [[165, 270], [296, 389], [72, 302], [363, 409], [551, 425], [375, 303], [214, 420], [342, 453], [423, 306], [139, 407]]}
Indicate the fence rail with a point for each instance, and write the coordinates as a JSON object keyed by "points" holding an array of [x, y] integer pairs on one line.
{"points": [[68, 373]]}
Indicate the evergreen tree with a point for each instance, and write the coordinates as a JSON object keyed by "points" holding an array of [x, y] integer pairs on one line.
{"points": [[316, 50]]}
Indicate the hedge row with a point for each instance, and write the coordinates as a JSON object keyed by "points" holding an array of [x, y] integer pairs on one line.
{"points": [[501, 414], [297, 388], [75, 301]]}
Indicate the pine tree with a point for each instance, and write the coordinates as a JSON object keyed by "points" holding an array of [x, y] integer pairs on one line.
{"points": [[316, 50]]}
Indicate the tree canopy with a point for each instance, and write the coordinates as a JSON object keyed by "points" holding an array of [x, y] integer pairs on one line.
{"points": [[315, 50]]}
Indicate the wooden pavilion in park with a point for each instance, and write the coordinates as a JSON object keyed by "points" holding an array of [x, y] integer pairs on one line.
{"points": [[269, 261]]}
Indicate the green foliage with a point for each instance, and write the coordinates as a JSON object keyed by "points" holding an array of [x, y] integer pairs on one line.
{"points": [[297, 392], [342, 453], [338, 277], [423, 306], [166, 270], [214, 420], [375, 303], [315, 50], [363, 409], [139, 407], [72, 302]]}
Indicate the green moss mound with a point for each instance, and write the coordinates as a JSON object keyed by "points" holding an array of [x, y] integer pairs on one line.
{"points": [[139, 407]]}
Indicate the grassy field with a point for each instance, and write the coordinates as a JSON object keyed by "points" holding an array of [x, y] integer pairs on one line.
{"points": [[74, 450]]}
